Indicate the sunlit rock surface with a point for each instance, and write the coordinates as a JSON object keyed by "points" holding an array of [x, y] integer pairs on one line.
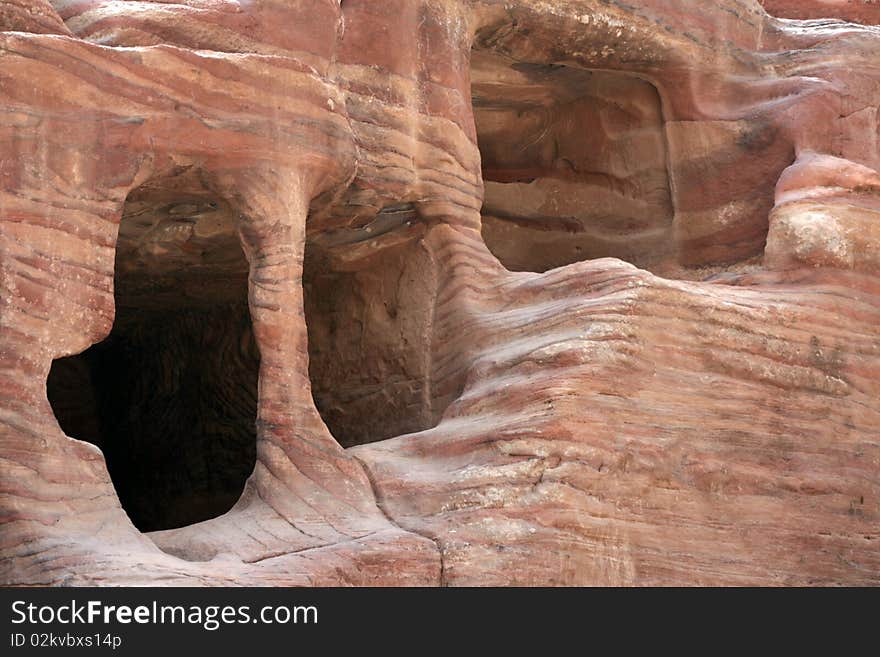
{"points": [[439, 292]]}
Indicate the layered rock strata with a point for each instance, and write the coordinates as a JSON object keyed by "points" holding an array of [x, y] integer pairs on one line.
{"points": [[438, 292]]}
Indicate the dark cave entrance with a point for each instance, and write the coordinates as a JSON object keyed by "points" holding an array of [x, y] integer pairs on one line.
{"points": [[170, 396], [369, 301], [575, 164]]}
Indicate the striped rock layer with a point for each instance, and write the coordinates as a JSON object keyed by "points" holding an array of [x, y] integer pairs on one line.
{"points": [[459, 292]]}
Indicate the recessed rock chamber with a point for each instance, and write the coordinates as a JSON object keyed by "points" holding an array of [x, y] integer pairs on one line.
{"points": [[369, 291], [170, 396], [574, 164]]}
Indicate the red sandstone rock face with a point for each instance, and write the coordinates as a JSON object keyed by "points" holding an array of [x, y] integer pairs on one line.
{"points": [[535, 293], [856, 11], [36, 16]]}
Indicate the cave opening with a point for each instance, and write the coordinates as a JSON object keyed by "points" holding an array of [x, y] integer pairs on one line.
{"points": [[369, 301], [575, 164], [170, 396]]}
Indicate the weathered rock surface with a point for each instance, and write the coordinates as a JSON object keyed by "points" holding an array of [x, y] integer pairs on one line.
{"points": [[856, 11], [475, 292]]}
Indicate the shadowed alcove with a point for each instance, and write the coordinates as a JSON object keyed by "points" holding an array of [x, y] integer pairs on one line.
{"points": [[574, 164], [170, 396], [369, 290]]}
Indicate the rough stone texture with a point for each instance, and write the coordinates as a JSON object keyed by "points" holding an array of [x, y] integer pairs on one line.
{"points": [[691, 399], [856, 11]]}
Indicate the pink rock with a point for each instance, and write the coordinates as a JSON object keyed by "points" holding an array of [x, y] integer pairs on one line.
{"points": [[302, 292], [856, 11]]}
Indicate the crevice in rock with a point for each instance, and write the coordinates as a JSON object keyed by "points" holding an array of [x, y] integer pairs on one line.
{"points": [[170, 396], [441, 579]]}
